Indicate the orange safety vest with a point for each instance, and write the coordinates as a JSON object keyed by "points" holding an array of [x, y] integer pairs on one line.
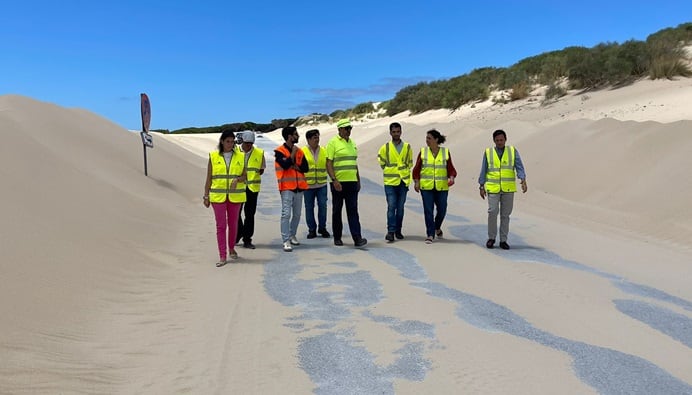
{"points": [[290, 179]]}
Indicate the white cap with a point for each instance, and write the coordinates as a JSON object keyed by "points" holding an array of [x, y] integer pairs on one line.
{"points": [[248, 136]]}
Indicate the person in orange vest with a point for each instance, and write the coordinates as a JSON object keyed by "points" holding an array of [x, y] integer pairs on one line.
{"points": [[290, 165], [224, 190]]}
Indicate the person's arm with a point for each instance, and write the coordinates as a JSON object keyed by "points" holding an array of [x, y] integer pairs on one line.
{"points": [[207, 185], [282, 160], [264, 165], [332, 176], [416, 174], [303, 166], [451, 171], [381, 156], [482, 175], [519, 167]]}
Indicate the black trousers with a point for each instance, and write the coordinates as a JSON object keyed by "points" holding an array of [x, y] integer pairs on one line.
{"points": [[348, 195], [246, 228]]}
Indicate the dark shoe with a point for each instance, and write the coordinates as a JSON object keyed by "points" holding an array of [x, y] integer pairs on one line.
{"points": [[338, 242], [324, 233], [438, 233], [389, 237], [361, 242], [249, 245], [504, 245], [490, 243], [399, 235], [312, 234]]}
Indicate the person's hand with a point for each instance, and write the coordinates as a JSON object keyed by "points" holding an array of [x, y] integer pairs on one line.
{"points": [[205, 201], [450, 181], [482, 192], [416, 186], [337, 185], [524, 188]]}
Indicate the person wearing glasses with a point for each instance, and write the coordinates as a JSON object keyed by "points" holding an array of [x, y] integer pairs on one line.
{"points": [[255, 165], [500, 168], [342, 168], [433, 174], [317, 185], [290, 166]]}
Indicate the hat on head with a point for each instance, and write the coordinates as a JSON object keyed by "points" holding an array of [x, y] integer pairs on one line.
{"points": [[343, 123], [248, 136]]}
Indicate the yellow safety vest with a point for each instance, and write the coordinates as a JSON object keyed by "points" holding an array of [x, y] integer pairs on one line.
{"points": [[501, 175], [396, 167], [222, 175], [254, 164], [433, 173], [345, 156], [318, 170]]}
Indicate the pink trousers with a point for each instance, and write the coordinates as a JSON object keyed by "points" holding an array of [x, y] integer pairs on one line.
{"points": [[226, 215]]}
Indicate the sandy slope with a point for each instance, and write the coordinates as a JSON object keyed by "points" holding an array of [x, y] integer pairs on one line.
{"points": [[108, 283]]}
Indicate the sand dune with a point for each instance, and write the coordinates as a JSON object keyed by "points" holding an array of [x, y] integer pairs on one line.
{"points": [[108, 282]]}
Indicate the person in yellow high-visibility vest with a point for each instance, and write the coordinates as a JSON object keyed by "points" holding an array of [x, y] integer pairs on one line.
{"points": [[224, 190], [396, 160], [317, 185], [255, 165], [499, 170], [433, 174]]}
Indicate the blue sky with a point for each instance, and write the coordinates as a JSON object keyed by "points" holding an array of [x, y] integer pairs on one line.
{"points": [[206, 63]]}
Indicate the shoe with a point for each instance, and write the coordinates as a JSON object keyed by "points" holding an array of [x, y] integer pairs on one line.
{"points": [[490, 243], [294, 240], [249, 245], [233, 254], [361, 242], [399, 235], [287, 246], [312, 234], [428, 240], [438, 233], [389, 237], [338, 242], [504, 245], [220, 263], [324, 233]]}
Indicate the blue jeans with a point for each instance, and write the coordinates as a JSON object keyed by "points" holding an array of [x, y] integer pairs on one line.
{"points": [[396, 198], [432, 199], [310, 195], [291, 204]]}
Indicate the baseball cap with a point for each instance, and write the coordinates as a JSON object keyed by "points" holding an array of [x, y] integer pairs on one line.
{"points": [[343, 123], [248, 136]]}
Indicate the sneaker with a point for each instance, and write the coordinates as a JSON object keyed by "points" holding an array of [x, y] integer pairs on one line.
{"points": [[438, 233], [504, 245], [399, 235], [428, 240], [338, 242], [361, 242], [221, 263], [312, 234], [389, 237], [249, 245], [287, 246], [324, 233], [294, 240], [233, 254], [490, 243]]}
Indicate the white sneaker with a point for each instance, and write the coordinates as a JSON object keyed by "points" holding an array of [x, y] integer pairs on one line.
{"points": [[294, 241], [287, 247]]}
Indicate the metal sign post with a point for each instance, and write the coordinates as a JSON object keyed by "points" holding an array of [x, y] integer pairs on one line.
{"points": [[147, 139]]}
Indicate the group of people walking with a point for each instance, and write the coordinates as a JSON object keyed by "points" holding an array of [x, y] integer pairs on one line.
{"points": [[234, 175]]}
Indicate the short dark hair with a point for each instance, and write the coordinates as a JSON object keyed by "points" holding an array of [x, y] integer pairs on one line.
{"points": [[288, 131], [394, 125], [437, 136], [226, 133], [499, 132], [311, 133]]}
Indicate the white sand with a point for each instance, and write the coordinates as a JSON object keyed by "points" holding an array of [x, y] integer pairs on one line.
{"points": [[109, 284]]}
